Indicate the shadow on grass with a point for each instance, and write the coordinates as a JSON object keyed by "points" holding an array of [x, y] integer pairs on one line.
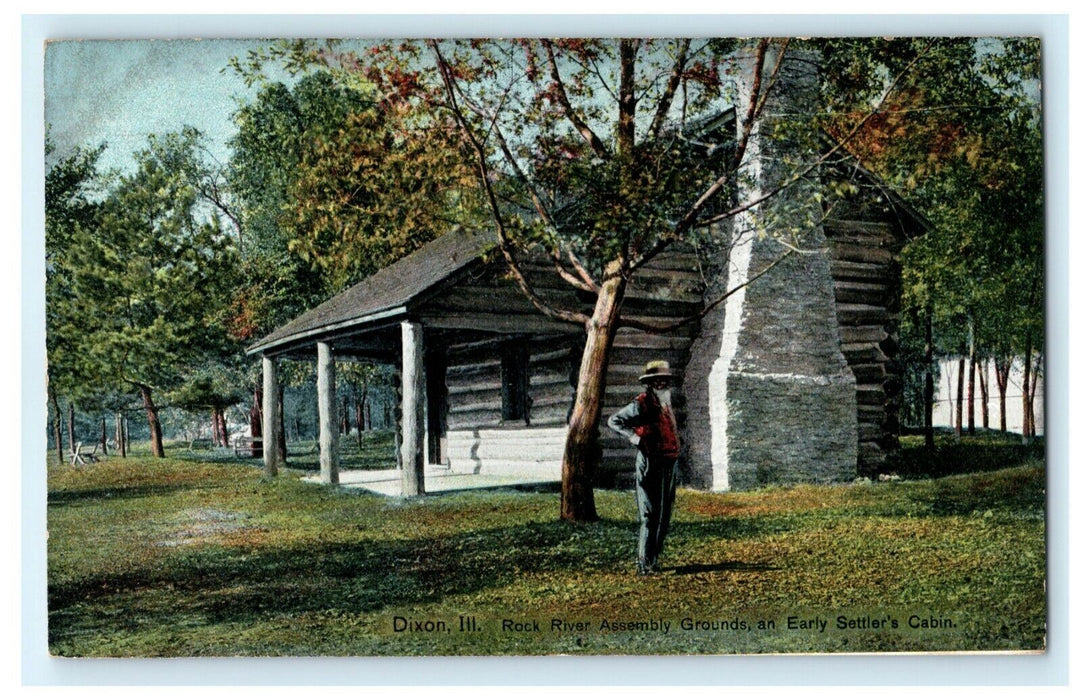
{"points": [[235, 585], [238, 585], [69, 497], [983, 452], [1013, 490]]}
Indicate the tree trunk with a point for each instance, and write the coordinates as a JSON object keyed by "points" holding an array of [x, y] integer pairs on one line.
{"points": [[104, 439], [929, 367], [156, 447], [225, 427], [71, 426], [58, 434], [1003, 368], [959, 399], [359, 409], [1031, 394], [215, 437], [281, 426], [121, 447], [1034, 392], [970, 381], [582, 451], [127, 436], [983, 385], [255, 423], [1026, 393]]}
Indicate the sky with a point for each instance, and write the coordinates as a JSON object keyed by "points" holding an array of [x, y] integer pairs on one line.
{"points": [[119, 92]]}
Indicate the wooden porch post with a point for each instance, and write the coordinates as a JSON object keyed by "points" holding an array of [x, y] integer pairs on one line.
{"points": [[413, 409], [325, 393], [271, 409]]}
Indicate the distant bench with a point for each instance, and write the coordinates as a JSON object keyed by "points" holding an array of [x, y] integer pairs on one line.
{"points": [[83, 454], [244, 443]]}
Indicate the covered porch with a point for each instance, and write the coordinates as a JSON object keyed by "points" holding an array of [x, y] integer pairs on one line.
{"points": [[483, 384]]}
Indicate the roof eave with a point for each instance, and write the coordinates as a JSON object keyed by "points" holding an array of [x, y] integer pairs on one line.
{"points": [[263, 347]]}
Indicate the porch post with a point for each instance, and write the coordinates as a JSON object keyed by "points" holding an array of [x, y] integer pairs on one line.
{"points": [[413, 409], [271, 409], [325, 392]]}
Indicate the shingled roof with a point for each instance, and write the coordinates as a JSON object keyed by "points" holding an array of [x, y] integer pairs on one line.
{"points": [[388, 292]]}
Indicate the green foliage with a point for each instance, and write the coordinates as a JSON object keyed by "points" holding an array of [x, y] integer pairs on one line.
{"points": [[148, 280], [72, 204], [207, 388], [962, 141], [331, 189]]}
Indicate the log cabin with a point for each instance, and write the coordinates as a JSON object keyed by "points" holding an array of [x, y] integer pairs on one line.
{"points": [[486, 382]]}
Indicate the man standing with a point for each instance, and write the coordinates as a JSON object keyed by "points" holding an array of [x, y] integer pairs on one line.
{"points": [[649, 424]]}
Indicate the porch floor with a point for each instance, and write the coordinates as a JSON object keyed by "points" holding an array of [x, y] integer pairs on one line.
{"points": [[388, 482]]}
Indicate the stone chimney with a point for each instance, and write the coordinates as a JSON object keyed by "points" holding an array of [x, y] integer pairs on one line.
{"points": [[770, 396]]}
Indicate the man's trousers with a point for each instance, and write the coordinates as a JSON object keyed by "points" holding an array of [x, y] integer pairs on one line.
{"points": [[656, 485]]}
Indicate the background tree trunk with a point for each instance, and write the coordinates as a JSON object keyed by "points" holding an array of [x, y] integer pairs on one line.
{"points": [[1031, 395], [255, 423], [970, 381], [929, 368], [58, 433], [121, 446], [281, 426], [983, 384], [1026, 391], [216, 439], [360, 410], [1003, 368], [104, 439], [582, 451], [156, 447], [71, 426], [959, 399], [225, 427]]}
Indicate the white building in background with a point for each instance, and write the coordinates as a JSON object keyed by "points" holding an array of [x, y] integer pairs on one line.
{"points": [[944, 407]]}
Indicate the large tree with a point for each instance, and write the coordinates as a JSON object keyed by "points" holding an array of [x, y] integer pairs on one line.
{"points": [[600, 155], [73, 187]]}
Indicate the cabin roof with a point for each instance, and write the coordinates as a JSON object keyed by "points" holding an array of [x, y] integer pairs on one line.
{"points": [[387, 293]]}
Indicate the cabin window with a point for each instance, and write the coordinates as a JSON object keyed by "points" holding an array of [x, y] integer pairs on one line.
{"points": [[515, 383]]}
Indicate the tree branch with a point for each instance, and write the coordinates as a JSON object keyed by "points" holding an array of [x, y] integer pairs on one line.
{"points": [[666, 100], [653, 328], [583, 281], [626, 120], [596, 144], [690, 218], [501, 231]]}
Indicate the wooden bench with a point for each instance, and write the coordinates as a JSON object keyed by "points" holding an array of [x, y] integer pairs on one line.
{"points": [[244, 443], [84, 455]]}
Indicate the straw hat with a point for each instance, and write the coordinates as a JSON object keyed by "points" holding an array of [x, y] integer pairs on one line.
{"points": [[656, 369]]}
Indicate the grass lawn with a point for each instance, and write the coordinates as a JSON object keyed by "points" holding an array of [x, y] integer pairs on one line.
{"points": [[194, 557]]}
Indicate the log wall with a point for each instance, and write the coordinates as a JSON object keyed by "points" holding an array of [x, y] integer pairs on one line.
{"points": [[867, 276], [479, 439]]}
